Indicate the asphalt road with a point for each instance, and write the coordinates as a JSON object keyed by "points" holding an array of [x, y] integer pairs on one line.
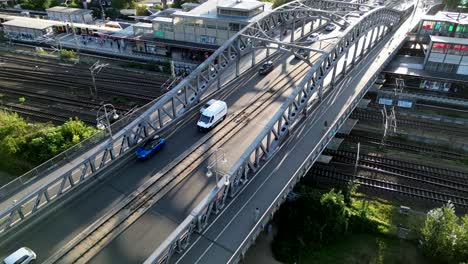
{"points": [[135, 244]]}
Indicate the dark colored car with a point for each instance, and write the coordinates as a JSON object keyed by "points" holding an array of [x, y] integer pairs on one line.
{"points": [[266, 68], [150, 147]]}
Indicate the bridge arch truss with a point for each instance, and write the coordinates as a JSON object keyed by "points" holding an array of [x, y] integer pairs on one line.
{"points": [[320, 81]]}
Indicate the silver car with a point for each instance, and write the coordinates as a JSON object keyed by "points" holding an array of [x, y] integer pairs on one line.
{"points": [[23, 255]]}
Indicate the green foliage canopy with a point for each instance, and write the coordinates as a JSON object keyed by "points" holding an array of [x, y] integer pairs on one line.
{"points": [[444, 236], [37, 143]]}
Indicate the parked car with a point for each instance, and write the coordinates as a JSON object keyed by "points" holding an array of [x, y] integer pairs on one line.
{"points": [[212, 115], [266, 68], [313, 37], [330, 27], [150, 147], [23, 255]]}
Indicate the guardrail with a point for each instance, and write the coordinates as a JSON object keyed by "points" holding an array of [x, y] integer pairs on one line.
{"points": [[76, 150], [302, 170], [277, 129], [223, 66]]}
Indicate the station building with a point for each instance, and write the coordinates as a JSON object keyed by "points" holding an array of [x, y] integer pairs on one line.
{"points": [[67, 14], [198, 29], [444, 36], [28, 28]]}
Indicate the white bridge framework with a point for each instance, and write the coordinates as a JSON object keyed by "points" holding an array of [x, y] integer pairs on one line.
{"points": [[213, 75]]}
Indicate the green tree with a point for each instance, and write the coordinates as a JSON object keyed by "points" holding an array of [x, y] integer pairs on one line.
{"points": [[35, 4], [442, 238]]}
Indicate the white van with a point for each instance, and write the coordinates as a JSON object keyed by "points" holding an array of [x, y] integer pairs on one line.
{"points": [[212, 115]]}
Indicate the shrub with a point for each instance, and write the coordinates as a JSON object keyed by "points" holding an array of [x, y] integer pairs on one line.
{"points": [[444, 237], [67, 54], [21, 100]]}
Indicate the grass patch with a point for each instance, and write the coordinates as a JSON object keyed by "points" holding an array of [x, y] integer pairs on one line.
{"points": [[365, 249]]}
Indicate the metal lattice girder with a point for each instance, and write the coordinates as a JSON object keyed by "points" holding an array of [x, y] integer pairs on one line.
{"points": [[176, 102], [299, 101]]}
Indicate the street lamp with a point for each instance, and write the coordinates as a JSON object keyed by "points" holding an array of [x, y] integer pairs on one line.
{"points": [[95, 69], [103, 120], [209, 172]]}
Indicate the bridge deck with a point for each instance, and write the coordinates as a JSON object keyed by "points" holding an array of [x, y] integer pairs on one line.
{"points": [[137, 242], [223, 236]]}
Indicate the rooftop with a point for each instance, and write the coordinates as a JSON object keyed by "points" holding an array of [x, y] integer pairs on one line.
{"points": [[162, 20], [208, 10], [33, 23], [454, 17], [449, 40], [240, 5], [143, 25], [69, 10]]}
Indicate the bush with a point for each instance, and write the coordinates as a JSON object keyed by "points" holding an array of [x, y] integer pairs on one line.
{"points": [[309, 222], [21, 100], [36, 143], [444, 237], [67, 54]]}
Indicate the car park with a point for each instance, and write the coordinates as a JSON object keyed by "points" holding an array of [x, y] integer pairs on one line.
{"points": [[150, 147], [313, 37], [330, 27], [266, 68], [212, 115], [23, 255]]}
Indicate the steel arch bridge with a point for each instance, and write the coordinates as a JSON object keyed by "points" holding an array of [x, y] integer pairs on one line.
{"points": [[320, 80], [213, 75]]}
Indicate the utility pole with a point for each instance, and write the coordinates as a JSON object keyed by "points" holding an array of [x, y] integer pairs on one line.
{"points": [[103, 15], [399, 84], [95, 69], [74, 37]]}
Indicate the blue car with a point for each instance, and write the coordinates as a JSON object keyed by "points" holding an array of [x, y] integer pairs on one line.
{"points": [[150, 147]]}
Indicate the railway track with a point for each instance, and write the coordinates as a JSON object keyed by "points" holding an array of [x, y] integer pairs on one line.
{"points": [[322, 171], [370, 140], [35, 114], [83, 102], [401, 121], [84, 247], [410, 166], [29, 62], [62, 84], [404, 171]]}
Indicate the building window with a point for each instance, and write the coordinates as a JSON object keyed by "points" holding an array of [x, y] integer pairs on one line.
{"points": [[232, 13], [234, 27]]}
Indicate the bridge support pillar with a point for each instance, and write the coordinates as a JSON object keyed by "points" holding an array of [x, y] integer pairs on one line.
{"points": [[333, 80], [363, 48], [237, 64], [253, 58], [312, 25], [377, 38], [371, 40], [293, 30], [303, 26], [353, 61], [345, 63]]}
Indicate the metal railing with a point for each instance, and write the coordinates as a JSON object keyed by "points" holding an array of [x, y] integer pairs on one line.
{"points": [[277, 129]]}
